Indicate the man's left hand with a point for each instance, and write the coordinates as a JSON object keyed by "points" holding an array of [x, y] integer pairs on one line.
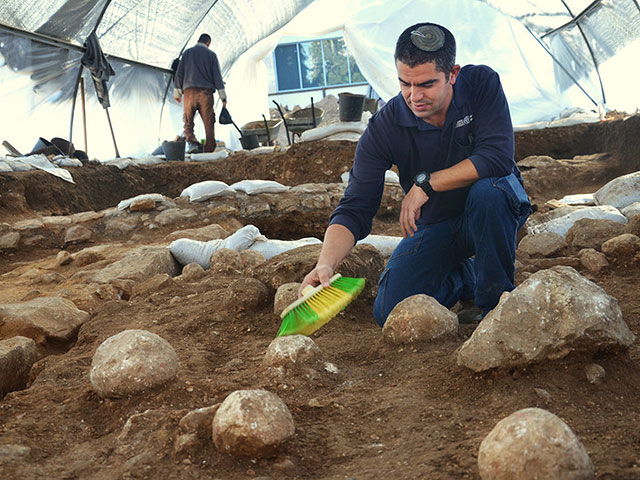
{"points": [[410, 211]]}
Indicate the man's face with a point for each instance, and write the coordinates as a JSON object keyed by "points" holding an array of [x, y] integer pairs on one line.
{"points": [[427, 91]]}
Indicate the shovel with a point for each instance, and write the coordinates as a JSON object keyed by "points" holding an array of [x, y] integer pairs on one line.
{"points": [[247, 141]]}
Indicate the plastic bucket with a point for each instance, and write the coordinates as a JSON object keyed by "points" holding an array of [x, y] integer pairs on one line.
{"points": [[350, 106], [173, 150], [371, 105], [249, 142]]}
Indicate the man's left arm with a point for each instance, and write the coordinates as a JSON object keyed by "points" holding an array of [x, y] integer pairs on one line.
{"points": [[217, 80]]}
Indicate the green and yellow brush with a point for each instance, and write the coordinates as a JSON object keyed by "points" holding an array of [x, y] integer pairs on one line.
{"points": [[318, 305]]}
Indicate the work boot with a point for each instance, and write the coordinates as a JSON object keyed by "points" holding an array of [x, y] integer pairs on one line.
{"points": [[469, 313], [194, 147]]}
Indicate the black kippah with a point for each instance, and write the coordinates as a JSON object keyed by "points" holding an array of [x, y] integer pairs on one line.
{"points": [[428, 38]]}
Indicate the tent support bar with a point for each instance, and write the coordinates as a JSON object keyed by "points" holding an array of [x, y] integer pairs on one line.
{"points": [[70, 46], [73, 102], [586, 42], [636, 3], [543, 45], [576, 19]]}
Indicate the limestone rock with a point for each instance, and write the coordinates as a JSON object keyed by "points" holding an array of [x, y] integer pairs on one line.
{"points": [[175, 215], [364, 261], [141, 263], [533, 444], [544, 244], [131, 362], [63, 258], [632, 210], [118, 227], [202, 234], [251, 258], [592, 233], [551, 314], [292, 352], [155, 283], [48, 278], [622, 248], [595, 373], [620, 192], [29, 224], [77, 234], [246, 294], [634, 225], [418, 318], [192, 272], [87, 257], [9, 241], [285, 295], [254, 423], [42, 319], [17, 356], [593, 260], [198, 420], [142, 205], [225, 261]]}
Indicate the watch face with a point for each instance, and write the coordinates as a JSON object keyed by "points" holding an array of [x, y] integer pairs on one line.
{"points": [[421, 177]]}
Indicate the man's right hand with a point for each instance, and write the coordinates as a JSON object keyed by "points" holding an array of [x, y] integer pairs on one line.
{"points": [[319, 275]]}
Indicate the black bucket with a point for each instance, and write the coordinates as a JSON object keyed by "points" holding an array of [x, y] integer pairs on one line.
{"points": [[350, 106], [249, 142], [173, 150]]}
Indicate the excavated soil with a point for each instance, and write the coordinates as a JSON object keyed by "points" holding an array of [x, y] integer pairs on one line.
{"points": [[396, 412]]}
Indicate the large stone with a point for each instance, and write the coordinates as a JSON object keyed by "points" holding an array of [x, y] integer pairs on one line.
{"points": [[154, 284], [17, 356], [175, 215], [551, 314], [620, 192], [292, 352], [364, 261], [418, 318], [43, 319], [140, 264], [593, 260], [254, 423], [9, 241], [544, 244], [622, 248], [285, 295], [533, 444], [246, 294], [77, 234], [202, 234], [131, 362], [192, 272], [225, 261], [590, 233]]}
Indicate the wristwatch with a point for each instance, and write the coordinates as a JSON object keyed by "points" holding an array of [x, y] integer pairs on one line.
{"points": [[422, 180]]}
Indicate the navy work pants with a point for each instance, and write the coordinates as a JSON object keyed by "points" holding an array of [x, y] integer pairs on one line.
{"points": [[437, 260]]}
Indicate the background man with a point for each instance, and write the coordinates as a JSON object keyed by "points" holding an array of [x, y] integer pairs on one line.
{"points": [[198, 76], [449, 133]]}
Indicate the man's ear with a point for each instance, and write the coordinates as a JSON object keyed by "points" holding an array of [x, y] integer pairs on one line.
{"points": [[454, 74]]}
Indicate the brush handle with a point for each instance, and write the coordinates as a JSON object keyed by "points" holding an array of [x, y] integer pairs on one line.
{"points": [[308, 292]]}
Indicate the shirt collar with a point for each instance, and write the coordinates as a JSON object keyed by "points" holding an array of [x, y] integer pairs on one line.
{"points": [[406, 118]]}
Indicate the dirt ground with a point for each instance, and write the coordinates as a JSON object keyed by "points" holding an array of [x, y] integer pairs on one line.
{"points": [[390, 412]]}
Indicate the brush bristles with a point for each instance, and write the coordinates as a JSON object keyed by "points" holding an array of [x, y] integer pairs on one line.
{"points": [[321, 307]]}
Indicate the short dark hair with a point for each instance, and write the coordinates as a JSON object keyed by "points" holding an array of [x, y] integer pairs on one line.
{"points": [[408, 53], [204, 38]]}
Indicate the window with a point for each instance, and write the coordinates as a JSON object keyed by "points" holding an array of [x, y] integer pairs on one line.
{"points": [[315, 64]]}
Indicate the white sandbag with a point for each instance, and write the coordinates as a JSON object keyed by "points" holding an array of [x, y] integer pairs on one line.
{"points": [[19, 166], [620, 192], [271, 248], [156, 197], [208, 156], [5, 167], [389, 177], [187, 251], [201, 191], [67, 162], [562, 224], [385, 244], [146, 161], [253, 187], [632, 210], [579, 199], [121, 163], [41, 162], [260, 150], [332, 129]]}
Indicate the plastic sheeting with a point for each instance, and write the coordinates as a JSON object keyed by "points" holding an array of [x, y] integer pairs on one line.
{"points": [[142, 37]]}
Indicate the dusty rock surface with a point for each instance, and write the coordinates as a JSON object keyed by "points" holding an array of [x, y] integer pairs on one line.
{"points": [[387, 411]]}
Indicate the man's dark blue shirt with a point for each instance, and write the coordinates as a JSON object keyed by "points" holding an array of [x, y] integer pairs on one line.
{"points": [[477, 126]]}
